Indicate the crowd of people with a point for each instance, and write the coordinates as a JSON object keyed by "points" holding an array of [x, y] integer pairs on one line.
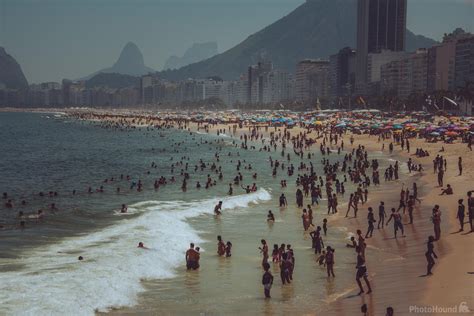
{"points": [[341, 169]]}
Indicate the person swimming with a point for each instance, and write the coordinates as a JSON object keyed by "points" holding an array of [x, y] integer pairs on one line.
{"points": [[124, 209], [141, 245]]}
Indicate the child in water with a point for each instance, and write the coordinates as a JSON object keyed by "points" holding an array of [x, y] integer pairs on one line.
{"points": [[228, 249], [321, 258], [325, 226]]}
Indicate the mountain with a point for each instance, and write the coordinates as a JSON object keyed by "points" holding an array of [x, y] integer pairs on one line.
{"points": [[315, 29], [112, 80], [417, 41], [197, 52], [11, 74], [130, 62]]}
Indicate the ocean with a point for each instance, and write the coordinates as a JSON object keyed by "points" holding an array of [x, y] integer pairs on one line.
{"points": [[40, 273]]}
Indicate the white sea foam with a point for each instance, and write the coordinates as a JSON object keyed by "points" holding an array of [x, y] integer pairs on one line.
{"points": [[54, 282]]}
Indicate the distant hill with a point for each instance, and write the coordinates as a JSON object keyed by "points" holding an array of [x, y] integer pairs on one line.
{"points": [[130, 62], [112, 80], [197, 52], [11, 74], [316, 29], [417, 41]]}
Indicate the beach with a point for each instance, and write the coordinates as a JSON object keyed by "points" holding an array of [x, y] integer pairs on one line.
{"points": [[396, 267]]}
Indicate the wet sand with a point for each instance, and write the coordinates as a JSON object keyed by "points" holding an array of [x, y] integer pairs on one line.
{"points": [[399, 279]]}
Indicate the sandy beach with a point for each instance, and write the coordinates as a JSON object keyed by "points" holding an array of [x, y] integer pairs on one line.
{"points": [[399, 279], [396, 266], [400, 282]]}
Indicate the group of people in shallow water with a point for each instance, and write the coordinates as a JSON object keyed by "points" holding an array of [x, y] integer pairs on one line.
{"points": [[353, 170], [355, 167]]}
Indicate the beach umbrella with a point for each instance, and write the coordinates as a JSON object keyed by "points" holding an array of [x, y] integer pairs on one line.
{"points": [[434, 134]]}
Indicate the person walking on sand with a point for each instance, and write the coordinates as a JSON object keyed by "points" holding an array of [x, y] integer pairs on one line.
{"points": [[460, 165], [362, 272], [470, 209], [382, 215], [436, 218], [397, 222], [267, 280], [460, 214], [429, 255], [411, 206]]}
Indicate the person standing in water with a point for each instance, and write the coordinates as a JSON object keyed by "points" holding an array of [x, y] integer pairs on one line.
{"points": [[192, 258], [220, 246], [270, 217], [330, 261], [218, 208], [283, 201], [370, 220], [267, 280], [285, 269], [429, 255], [264, 251]]}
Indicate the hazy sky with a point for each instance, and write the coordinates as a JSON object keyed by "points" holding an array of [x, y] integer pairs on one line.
{"points": [[55, 39]]}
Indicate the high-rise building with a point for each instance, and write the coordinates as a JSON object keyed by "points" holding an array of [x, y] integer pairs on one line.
{"points": [[381, 25], [464, 62], [255, 80], [312, 80], [405, 76], [441, 61], [342, 72], [66, 85]]}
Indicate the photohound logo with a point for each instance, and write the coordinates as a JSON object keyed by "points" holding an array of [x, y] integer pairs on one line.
{"points": [[462, 308]]}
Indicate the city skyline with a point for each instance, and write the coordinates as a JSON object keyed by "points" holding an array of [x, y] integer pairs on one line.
{"points": [[82, 51]]}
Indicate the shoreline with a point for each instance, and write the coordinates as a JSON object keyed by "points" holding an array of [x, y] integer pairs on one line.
{"points": [[398, 280], [404, 286]]}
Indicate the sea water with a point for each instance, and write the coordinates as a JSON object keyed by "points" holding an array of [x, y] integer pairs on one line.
{"points": [[39, 270]]}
